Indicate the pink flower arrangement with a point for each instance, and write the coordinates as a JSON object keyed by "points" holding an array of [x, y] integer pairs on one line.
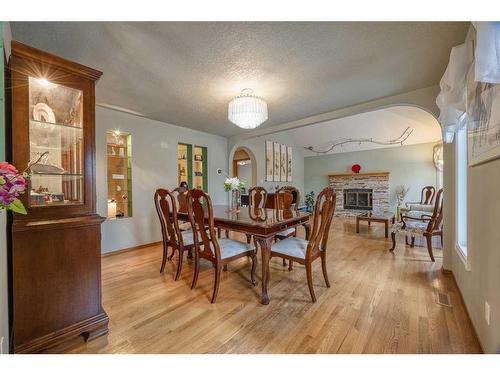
{"points": [[12, 184]]}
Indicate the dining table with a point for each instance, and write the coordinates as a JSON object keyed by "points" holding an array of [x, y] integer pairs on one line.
{"points": [[261, 223]]}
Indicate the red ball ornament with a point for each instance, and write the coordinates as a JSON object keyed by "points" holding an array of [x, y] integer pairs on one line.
{"points": [[356, 168]]}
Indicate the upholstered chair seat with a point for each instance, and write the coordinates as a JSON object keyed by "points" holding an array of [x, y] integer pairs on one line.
{"points": [[184, 226], [187, 237], [291, 246], [229, 248], [287, 232]]}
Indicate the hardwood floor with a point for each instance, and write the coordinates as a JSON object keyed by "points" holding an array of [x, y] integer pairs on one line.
{"points": [[378, 302]]}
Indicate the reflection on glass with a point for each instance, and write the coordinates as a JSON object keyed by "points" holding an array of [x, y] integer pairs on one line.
{"points": [[55, 130]]}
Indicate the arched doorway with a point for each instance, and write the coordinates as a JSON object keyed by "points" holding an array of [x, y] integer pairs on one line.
{"points": [[244, 166]]}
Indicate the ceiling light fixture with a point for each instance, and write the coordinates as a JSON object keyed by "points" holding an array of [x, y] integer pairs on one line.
{"points": [[247, 110]]}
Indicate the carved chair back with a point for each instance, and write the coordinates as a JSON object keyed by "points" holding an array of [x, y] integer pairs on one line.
{"points": [[295, 193], [322, 219], [205, 239], [166, 208], [283, 200], [257, 196], [181, 199], [427, 195], [436, 219]]}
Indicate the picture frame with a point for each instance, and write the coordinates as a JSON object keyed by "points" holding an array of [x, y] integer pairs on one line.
{"points": [[276, 162], [483, 120], [289, 163], [283, 163], [269, 161]]}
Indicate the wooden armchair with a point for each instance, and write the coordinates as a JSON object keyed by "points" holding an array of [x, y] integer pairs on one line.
{"points": [[172, 235], [219, 252], [426, 197], [307, 251], [422, 224]]}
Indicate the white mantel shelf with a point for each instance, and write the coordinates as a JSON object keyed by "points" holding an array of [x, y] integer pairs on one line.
{"points": [[367, 174]]}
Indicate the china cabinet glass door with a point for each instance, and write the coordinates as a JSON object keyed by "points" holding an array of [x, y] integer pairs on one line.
{"points": [[56, 138]]}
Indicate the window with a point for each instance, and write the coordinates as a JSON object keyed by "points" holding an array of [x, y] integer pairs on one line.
{"points": [[461, 191], [119, 153]]}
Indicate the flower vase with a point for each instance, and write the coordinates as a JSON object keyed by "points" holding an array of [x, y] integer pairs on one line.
{"points": [[235, 199]]}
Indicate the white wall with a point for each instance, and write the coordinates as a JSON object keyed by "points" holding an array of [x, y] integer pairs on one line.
{"points": [[152, 167], [258, 147], [410, 165]]}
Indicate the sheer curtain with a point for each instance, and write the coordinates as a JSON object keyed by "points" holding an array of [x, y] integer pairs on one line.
{"points": [[486, 59]]}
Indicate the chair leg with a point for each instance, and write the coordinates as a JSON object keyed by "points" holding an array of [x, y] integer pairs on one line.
{"points": [[290, 265], [309, 281], [323, 266], [196, 269], [284, 262], [224, 268], [254, 267], [218, 269], [179, 265], [412, 243], [165, 256], [190, 253], [429, 247], [219, 233], [249, 238], [393, 237], [441, 235], [227, 233]]}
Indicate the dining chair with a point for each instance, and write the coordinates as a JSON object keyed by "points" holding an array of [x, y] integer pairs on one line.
{"points": [[172, 235], [257, 198], [305, 252], [181, 194], [287, 196], [219, 252], [422, 224]]}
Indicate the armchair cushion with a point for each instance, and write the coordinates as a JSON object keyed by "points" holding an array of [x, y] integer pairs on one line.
{"points": [[291, 246], [412, 226], [421, 207]]}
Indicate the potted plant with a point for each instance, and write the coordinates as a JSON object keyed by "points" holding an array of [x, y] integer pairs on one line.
{"points": [[309, 201]]}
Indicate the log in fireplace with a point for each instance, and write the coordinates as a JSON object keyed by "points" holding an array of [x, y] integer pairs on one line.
{"points": [[358, 199]]}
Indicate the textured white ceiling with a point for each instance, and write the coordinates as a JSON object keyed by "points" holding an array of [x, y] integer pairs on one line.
{"points": [[186, 73], [381, 125]]}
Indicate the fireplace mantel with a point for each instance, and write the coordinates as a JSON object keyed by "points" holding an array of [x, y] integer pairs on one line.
{"points": [[367, 174]]}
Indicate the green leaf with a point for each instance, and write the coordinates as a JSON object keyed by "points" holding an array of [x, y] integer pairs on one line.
{"points": [[17, 206]]}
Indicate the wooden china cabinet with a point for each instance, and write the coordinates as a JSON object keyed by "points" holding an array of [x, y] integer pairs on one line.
{"points": [[56, 257]]}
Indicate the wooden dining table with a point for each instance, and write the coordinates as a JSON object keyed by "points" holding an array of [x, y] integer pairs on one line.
{"points": [[261, 223]]}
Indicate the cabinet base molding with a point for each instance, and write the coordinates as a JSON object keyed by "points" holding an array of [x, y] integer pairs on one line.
{"points": [[89, 329]]}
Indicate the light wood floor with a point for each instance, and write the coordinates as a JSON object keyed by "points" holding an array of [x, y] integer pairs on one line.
{"points": [[378, 302]]}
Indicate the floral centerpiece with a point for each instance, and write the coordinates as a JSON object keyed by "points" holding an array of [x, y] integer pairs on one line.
{"points": [[234, 185], [12, 184]]}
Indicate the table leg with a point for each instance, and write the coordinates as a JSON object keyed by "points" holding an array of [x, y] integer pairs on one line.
{"points": [[265, 250], [387, 229]]}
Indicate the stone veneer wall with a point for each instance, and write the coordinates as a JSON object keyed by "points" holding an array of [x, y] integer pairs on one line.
{"points": [[378, 182]]}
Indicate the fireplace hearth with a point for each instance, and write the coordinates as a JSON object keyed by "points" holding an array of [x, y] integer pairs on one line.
{"points": [[358, 199]]}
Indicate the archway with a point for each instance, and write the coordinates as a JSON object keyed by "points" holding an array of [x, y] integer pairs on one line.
{"points": [[244, 165]]}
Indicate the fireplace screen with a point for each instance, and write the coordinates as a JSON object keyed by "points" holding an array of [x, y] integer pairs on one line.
{"points": [[358, 199]]}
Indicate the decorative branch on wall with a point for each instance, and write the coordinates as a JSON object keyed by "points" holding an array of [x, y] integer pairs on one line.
{"points": [[396, 141]]}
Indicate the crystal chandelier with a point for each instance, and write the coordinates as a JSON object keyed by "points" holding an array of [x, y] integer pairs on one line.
{"points": [[247, 110]]}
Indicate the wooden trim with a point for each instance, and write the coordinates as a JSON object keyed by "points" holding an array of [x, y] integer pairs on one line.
{"points": [[31, 53], [450, 273], [126, 250], [359, 174]]}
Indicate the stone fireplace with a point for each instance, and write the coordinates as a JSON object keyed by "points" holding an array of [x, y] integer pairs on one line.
{"points": [[360, 192]]}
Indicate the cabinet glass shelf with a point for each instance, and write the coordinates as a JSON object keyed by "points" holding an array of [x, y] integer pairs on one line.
{"points": [[56, 139]]}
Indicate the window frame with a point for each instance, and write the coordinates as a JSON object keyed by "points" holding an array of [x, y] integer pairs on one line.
{"points": [[461, 201]]}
